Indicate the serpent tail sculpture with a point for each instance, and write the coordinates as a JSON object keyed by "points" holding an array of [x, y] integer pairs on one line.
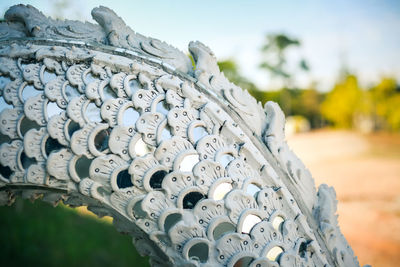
{"points": [[187, 163]]}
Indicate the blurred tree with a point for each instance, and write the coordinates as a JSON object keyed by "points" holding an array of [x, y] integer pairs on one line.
{"points": [[386, 101], [274, 53], [349, 106], [305, 103], [231, 71], [343, 102], [308, 105], [296, 102], [275, 62], [68, 9], [59, 7]]}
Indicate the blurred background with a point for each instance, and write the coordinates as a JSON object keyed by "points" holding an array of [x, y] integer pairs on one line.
{"points": [[334, 68]]}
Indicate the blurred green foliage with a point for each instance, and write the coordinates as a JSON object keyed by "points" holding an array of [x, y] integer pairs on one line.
{"points": [[385, 99], [40, 235], [36, 234], [346, 105], [231, 71], [350, 106], [343, 102], [303, 102], [274, 53]]}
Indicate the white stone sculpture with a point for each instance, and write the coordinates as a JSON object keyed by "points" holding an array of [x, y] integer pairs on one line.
{"points": [[187, 163]]}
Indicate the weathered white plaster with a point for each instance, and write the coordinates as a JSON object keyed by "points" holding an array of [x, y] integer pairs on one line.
{"points": [[187, 163]]}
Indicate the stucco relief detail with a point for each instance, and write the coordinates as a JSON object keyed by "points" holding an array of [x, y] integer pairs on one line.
{"points": [[102, 116]]}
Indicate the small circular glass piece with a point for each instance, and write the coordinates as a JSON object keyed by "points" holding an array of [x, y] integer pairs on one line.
{"points": [[141, 148], [274, 253], [198, 133], [130, 117], [249, 223], [225, 159], [221, 190], [53, 109], [93, 113], [252, 189], [277, 221], [188, 163]]}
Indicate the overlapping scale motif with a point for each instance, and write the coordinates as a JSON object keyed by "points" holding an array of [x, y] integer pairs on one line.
{"points": [[161, 151], [200, 178]]}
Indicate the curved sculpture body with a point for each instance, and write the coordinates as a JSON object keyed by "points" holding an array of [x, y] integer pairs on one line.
{"points": [[187, 163]]}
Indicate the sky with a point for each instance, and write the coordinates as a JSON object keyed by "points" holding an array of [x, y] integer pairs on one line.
{"points": [[362, 35]]}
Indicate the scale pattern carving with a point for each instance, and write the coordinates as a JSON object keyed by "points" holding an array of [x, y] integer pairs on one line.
{"points": [[158, 148]]}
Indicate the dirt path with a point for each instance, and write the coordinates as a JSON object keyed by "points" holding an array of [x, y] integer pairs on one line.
{"points": [[365, 171]]}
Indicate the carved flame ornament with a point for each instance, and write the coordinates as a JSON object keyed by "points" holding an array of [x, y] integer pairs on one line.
{"points": [[187, 163]]}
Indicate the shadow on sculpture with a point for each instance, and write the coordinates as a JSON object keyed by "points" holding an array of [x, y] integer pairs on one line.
{"points": [[187, 163]]}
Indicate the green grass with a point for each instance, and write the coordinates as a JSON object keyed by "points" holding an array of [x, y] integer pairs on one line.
{"points": [[36, 234]]}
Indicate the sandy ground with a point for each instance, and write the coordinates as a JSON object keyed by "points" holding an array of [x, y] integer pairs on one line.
{"points": [[365, 171]]}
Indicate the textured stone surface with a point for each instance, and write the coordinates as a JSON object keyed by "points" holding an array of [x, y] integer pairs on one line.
{"points": [[187, 163]]}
